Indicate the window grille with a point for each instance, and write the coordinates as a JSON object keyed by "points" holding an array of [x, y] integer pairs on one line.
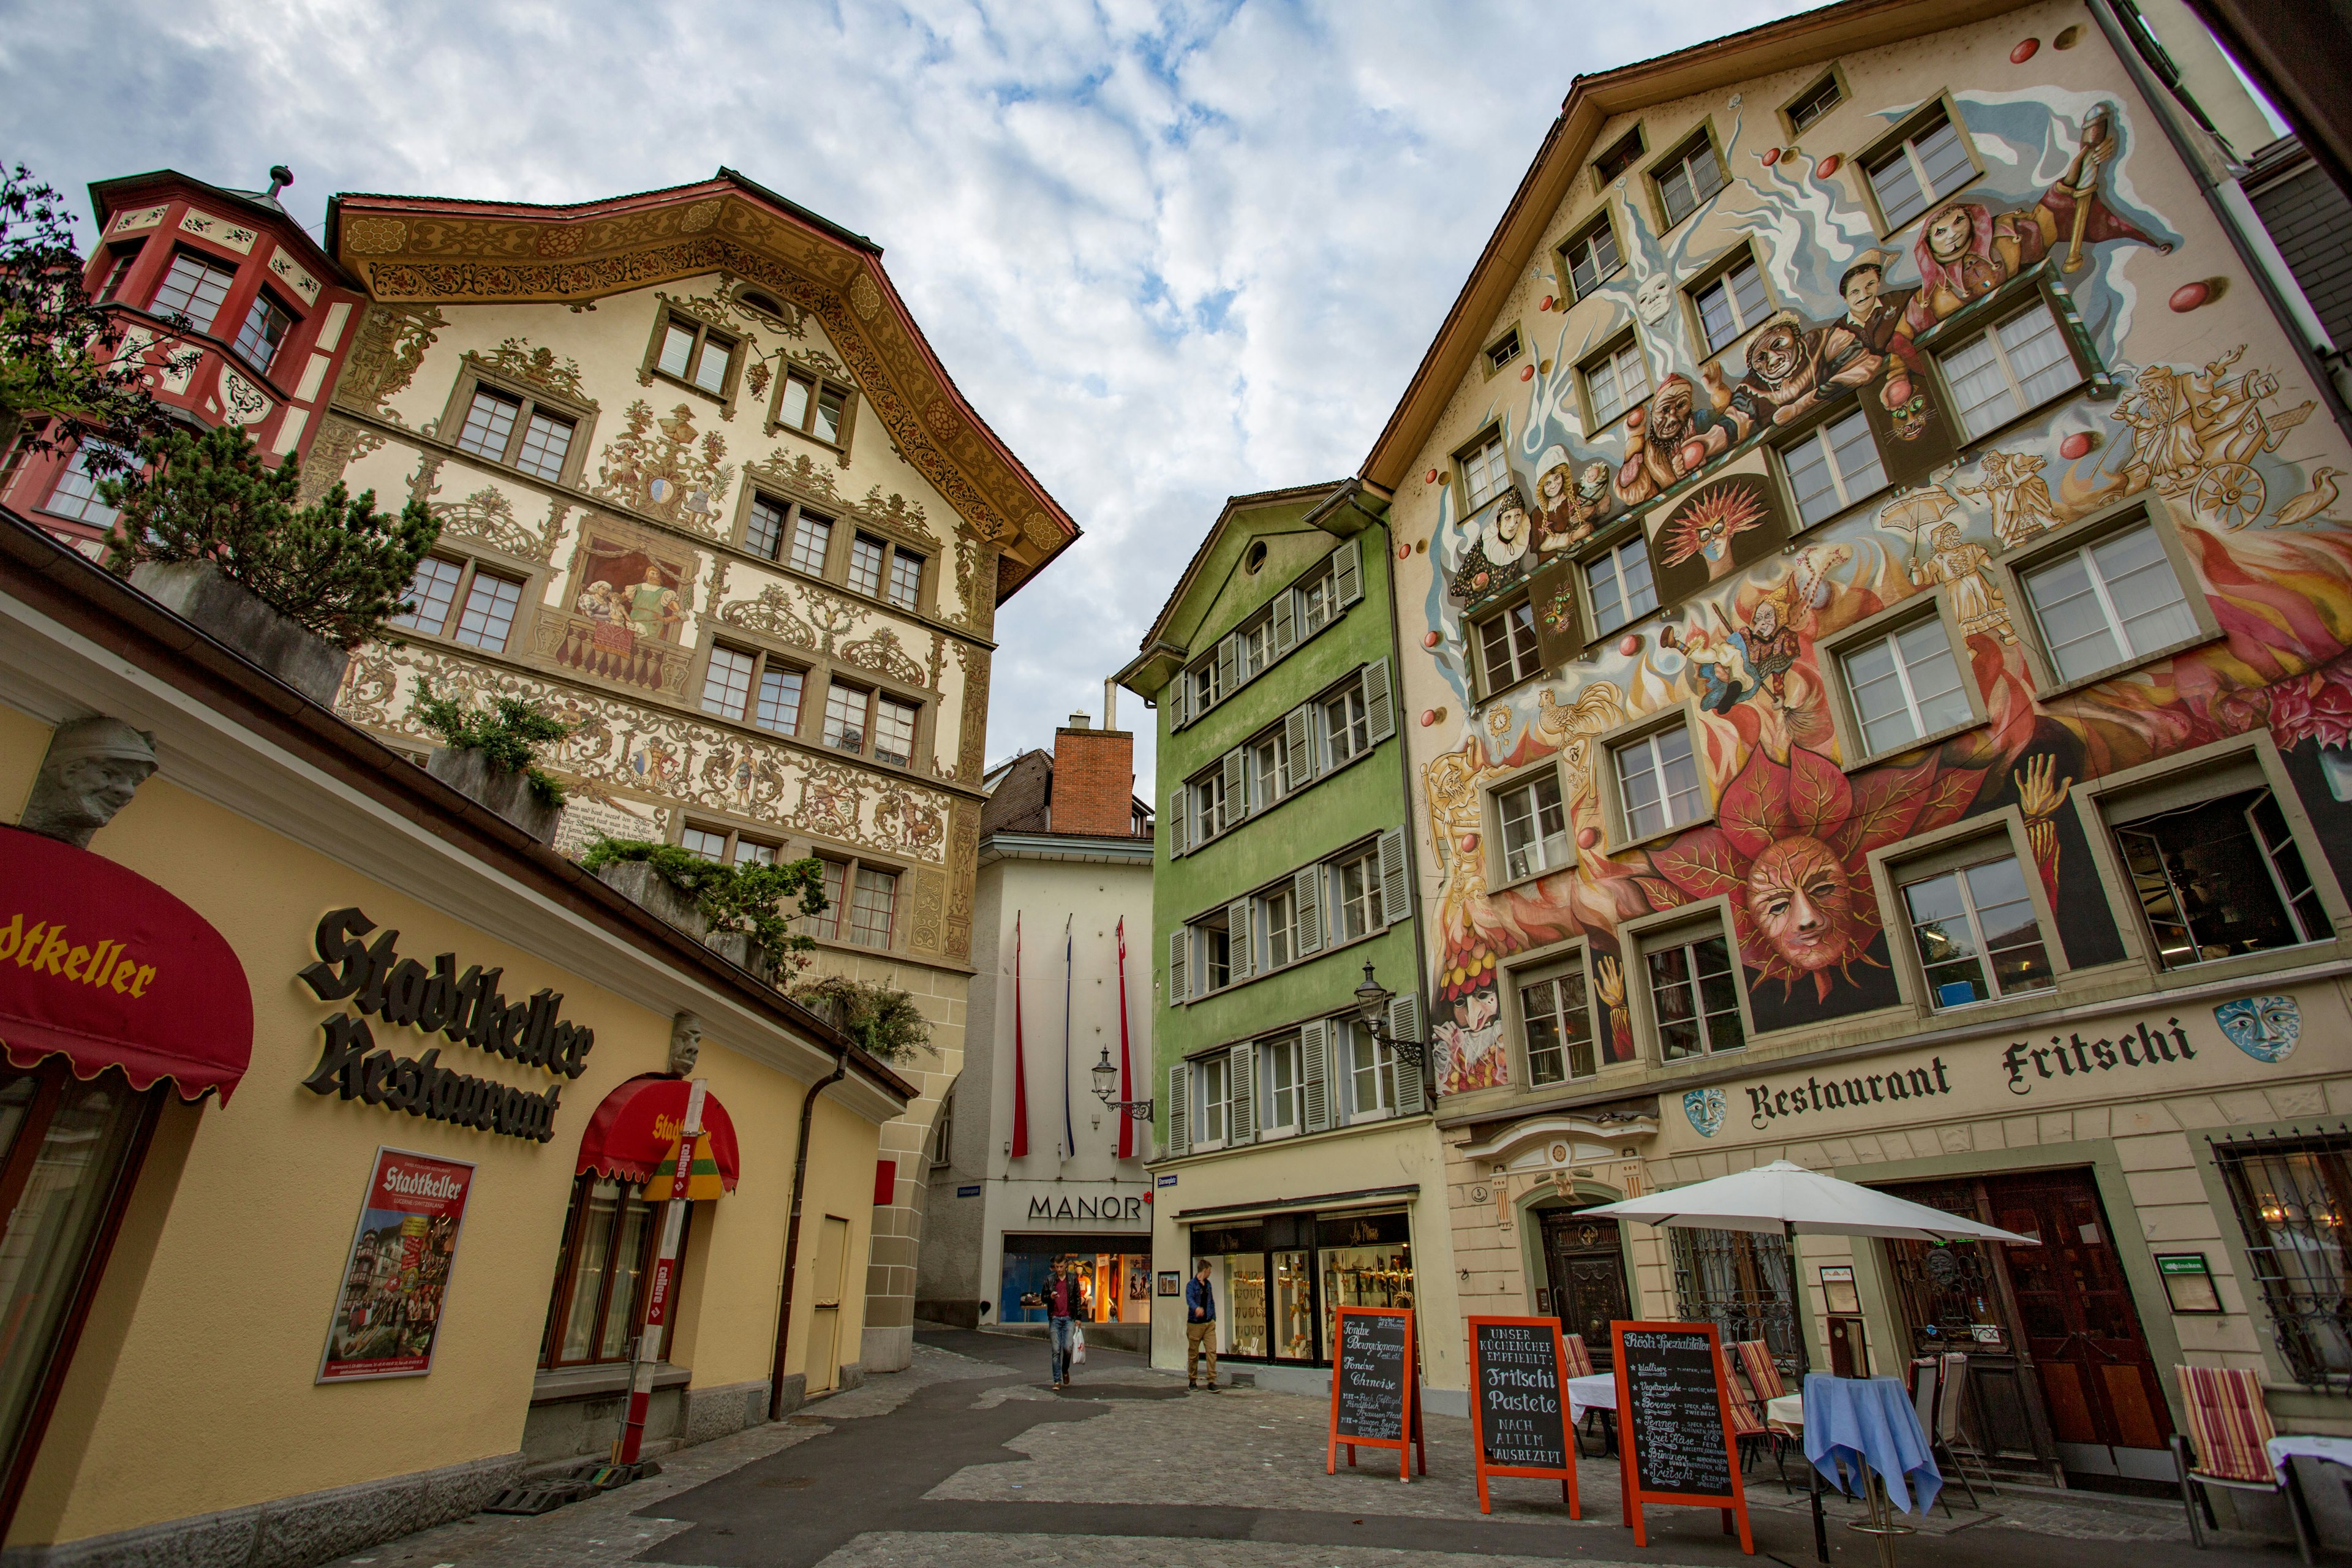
{"points": [[1737, 1281], [2292, 1196]]}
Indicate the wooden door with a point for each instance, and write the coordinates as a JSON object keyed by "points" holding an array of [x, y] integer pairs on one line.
{"points": [[825, 1328], [2075, 1313], [1585, 1260]]}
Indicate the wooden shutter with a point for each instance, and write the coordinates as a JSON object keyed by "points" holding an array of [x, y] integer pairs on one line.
{"points": [[1286, 622], [1298, 739], [1179, 705], [1236, 770], [1314, 1088], [1241, 1064], [1180, 965], [1229, 665], [1306, 898], [1396, 883], [1241, 949], [1348, 573], [1405, 1024], [1180, 821], [1180, 1109], [1380, 703]]}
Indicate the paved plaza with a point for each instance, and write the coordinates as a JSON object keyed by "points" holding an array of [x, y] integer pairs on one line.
{"points": [[967, 1459]]}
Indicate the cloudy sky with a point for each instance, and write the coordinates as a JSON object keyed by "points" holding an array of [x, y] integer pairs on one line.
{"points": [[1172, 252]]}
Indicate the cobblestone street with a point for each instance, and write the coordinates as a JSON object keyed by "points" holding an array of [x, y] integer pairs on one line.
{"points": [[965, 1459]]}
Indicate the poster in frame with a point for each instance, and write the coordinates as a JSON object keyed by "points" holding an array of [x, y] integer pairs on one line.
{"points": [[387, 1315]]}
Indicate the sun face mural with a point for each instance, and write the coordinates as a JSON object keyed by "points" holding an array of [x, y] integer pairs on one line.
{"points": [[2050, 253]]}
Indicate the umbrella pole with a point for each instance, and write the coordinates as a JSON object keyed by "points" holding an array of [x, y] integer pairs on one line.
{"points": [[1805, 1365]]}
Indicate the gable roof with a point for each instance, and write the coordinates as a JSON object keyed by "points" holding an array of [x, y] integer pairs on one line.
{"points": [[107, 197], [430, 248], [1234, 506]]}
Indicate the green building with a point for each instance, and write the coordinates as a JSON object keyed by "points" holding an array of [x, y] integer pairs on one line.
{"points": [[1297, 1152]]}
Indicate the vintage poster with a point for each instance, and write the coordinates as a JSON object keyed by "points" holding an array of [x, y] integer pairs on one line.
{"points": [[388, 1312]]}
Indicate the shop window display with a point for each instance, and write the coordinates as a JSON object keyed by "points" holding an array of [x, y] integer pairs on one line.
{"points": [[1279, 1282], [1371, 1267], [1117, 1284]]}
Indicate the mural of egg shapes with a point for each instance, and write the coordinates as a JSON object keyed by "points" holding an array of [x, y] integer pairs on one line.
{"points": [[1547, 303], [1432, 639], [1404, 551], [1771, 156], [1635, 421], [1431, 478], [2026, 49], [2067, 37], [1428, 715], [1467, 844], [1421, 547], [1829, 165], [1631, 645], [1526, 372], [2188, 295], [2077, 447], [1586, 837]]}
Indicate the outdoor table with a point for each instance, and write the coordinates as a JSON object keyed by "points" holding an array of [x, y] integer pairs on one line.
{"points": [[1594, 1390], [1868, 1424], [1788, 1410]]}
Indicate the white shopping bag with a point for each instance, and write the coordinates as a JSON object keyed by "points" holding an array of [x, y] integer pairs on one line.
{"points": [[1077, 1345]]}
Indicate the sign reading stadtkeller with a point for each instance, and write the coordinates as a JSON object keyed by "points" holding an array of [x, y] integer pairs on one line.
{"points": [[388, 1314], [466, 1008]]}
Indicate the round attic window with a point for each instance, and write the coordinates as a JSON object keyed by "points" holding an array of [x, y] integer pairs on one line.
{"points": [[752, 300], [1256, 558]]}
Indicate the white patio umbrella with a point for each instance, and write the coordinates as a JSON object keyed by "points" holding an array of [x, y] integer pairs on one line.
{"points": [[1786, 1197]]}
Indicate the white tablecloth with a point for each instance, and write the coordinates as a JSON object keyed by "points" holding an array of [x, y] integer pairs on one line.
{"points": [[2336, 1450], [1788, 1410], [1596, 1391]]}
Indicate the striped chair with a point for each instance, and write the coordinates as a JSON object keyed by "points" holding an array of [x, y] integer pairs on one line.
{"points": [[1579, 1365], [1747, 1422], [2224, 1447], [1764, 1382]]}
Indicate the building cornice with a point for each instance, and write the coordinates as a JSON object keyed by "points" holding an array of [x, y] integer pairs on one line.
{"points": [[1092, 848]]}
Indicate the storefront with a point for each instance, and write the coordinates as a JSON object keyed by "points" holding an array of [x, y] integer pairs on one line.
{"points": [[340, 1116], [1113, 1271], [1280, 1281]]}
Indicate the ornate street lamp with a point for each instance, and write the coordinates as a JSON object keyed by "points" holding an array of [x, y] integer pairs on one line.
{"points": [[1105, 1079], [1372, 1001]]}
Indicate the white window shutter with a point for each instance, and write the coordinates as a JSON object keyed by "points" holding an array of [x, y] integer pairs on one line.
{"points": [[1347, 572], [1180, 1109], [1180, 700], [1298, 739], [1314, 1088], [1380, 703], [1396, 884], [1239, 945], [1405, 1024], [1229, 667], [1236, 770], [1180, 965], [1286, 622], [1306, 898], [1244, 1112]]}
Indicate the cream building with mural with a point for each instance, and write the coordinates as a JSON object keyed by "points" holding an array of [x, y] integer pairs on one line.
{"points": [[707, 494], [1877, 605]]}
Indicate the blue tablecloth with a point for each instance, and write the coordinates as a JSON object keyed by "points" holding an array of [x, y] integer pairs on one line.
{"points": [[1854, 1421]]}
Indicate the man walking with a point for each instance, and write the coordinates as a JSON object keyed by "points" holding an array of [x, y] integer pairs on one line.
{"points": [[1200, 1327], [1064, 1298]]}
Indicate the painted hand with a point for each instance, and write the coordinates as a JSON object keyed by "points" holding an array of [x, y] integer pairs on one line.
{"points": [[1609, 979], [2035, 793]]}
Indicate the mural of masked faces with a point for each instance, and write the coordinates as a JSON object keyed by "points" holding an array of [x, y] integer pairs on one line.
{"points": [[1670, 413], [1799, 896], [1950, 232], [2266, 1027], [1907, 407], [1860, 292], [1506, 533]]}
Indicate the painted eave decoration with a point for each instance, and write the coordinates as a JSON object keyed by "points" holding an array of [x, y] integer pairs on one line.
{"points": [[423, 248], [636, 1129], [106, 969]]}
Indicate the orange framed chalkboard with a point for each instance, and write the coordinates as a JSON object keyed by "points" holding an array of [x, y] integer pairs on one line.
{"points": [[1518, 1406], [1674, 1423], [1375, 1388]]}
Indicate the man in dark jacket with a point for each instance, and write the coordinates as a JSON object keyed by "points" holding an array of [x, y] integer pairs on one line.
{"points": [[1199, 1327], [1065, 1300]]}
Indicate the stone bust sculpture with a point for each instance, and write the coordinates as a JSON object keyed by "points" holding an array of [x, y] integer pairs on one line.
{"points": [[92, 769], [684, 1044]]}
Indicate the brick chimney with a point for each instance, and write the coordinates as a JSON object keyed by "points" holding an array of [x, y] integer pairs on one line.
{"points": [[1094, 779]]}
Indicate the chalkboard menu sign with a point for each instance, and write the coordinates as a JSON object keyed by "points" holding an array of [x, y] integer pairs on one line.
{"points": [[1674, 1416], [1520, 1419], [1375, 1386]]}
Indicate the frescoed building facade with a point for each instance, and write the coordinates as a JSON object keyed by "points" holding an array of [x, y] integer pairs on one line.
{"points": [[1298, 1156], [707, 494], [1876, 601]]}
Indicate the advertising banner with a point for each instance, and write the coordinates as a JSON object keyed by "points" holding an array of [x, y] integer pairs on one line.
{"points": [[388, 1312]]}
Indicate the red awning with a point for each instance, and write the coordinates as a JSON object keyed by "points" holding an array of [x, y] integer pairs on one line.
{"points": [[104, 968], [639, 1122]]}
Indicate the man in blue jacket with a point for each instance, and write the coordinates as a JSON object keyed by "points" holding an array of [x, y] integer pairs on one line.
{"points": [[1200, 1327]]}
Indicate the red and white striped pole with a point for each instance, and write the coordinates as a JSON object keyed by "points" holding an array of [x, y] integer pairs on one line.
{"points": [[641, 1370]]}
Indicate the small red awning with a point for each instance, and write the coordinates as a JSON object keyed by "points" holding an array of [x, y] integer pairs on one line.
{"points": [[639, 1122], [106, 969]]}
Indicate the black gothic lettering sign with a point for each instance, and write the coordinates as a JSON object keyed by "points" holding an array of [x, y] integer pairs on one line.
{"points": [[1676, 1445], [1375, 1387], [1520, 1418]]}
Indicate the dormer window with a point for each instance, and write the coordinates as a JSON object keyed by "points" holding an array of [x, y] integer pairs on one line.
{"points": [[264, 333], [193, 290]]}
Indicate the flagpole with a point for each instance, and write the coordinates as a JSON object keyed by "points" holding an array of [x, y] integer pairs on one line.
{"points": [[631, 1441], [1126, 1088], [1069, 1125], [1020, 1063]]}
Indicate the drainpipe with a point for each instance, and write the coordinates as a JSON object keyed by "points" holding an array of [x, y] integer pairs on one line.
{"points": [[792, 1232]]}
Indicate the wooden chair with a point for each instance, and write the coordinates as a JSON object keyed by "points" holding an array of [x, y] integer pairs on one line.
{"points": [[2224, 1447], [1764, 1384]]}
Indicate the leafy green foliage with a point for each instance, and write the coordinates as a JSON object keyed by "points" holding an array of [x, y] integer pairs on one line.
{"points": [[67, 374], [761, 899], [881, 1018], [508, 734], [338, 566]]}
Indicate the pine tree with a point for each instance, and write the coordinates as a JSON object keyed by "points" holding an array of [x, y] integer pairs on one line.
{"points": [[338, 566]]}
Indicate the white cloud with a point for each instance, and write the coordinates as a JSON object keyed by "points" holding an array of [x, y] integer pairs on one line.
{"points": [[1172, 252]]}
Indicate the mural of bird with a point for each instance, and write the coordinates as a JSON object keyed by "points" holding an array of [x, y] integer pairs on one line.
{"points": [[2312, 502]]}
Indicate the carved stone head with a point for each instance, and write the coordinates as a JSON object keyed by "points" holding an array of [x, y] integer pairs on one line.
{"points": [[684, 1044], [92, 769]]}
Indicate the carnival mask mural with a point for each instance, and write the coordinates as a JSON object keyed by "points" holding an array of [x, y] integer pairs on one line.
{"points": [[1705, 1109], [2266, 1027]]}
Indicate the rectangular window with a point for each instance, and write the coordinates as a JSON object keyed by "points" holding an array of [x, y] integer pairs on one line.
{"points": [[546, 441], [764, 531], [827, 423], [1740, 1281], [1485, 472], [779, 708], [1657, 779], [812, 407], [1373, 1069], [430, 594], [506, 429], [1621, 157], [1903, 685], [693, 354], [811, 540], [1619, 581], [1317, 600], [1359, 896], [1214, 1075], [2291, 1196], [490, 424], [866, 555], [750, 852], [711, 846], [117, 269], [1615, 382], [1278, 913], [489, 613], [1592, 259], [1286, 1081], [1816, 101], [1346, 726], [1731, 304], [1535, 828], [1687, 179], [2221, 878], [76, 495], [1268, 760], [1560, 1028], [193, 290], [827, 923], [1257, 647], [727, 687], [1217, 953], [1506, 646], [1976, 935], [1834, 467], [1929, 164], [905, 580], [844, 718], [2108, 604], [1211, 806], [1694, 998], [871, 906], [1207, 688], [2018, 365], [266, 326], [894, 731], [1503, 350], [598, 1304]]}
